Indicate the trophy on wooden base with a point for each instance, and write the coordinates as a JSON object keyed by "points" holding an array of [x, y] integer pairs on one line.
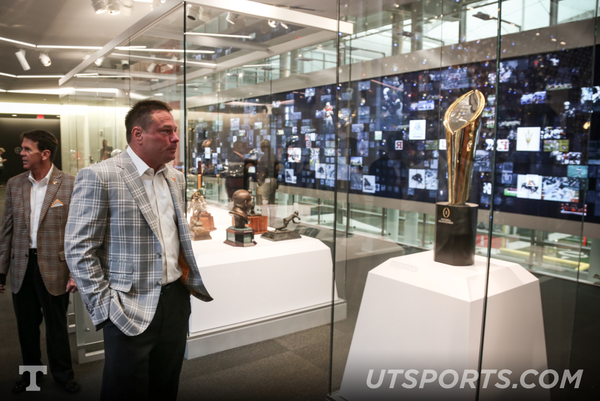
{"points": [[456, 220], [281, 233], [239, 234], [199, 232]]}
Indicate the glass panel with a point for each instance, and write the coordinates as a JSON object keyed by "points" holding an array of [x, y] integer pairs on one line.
{"points": [[347, 130], [538, 195], [393, 147], [253, 97]]}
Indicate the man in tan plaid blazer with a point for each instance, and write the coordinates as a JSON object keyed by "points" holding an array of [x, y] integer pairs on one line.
{"points": [[128, 246], [32, 250]]}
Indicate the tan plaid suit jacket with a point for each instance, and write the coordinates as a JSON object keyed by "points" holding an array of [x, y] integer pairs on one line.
{"points": [[112, 245], [14, 240]]}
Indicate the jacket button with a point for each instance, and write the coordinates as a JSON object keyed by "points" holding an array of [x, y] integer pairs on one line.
{"points": [[158, 255], [158, 283]]}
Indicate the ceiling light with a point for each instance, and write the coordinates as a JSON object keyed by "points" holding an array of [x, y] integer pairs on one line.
{"points": [[68, 47], [165, 50], [99, 61], [283, 25], [232, 18], [45, 59], [17, 42], [221, 35], [193, 13], [99, 6], [272, 23], [113, 7], [21, 57], [212, 65]]}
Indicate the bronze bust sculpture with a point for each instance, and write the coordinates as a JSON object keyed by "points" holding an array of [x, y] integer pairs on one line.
{"points": [[243, 202]]}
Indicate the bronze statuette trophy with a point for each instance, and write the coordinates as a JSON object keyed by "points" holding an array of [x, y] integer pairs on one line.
{"points": [[240, 234], [282, 233], [456, 220]]}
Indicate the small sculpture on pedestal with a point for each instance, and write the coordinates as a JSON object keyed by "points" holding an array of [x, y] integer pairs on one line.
{"points": [[207, 220], [281, 233], [196, 227], [239, 234]]}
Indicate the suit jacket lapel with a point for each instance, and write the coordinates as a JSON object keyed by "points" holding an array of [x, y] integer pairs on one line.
{"points": [[53, 186], [132, 179], [26, 193], [175, 190]]}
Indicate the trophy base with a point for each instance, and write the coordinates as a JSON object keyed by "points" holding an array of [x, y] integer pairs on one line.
{"points": [[200, 235], [258, 223], [455, 233], [208, 221], [240, 236], [280, 235]]}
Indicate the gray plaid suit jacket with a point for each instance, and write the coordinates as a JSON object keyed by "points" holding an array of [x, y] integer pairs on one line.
{"points": [[14, 240], [112, 248]]}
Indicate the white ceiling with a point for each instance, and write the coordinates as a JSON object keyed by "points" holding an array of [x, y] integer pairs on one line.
{"points": [[63, 22], [53, 22]]}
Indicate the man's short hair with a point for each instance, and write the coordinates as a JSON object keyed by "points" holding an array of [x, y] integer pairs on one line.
{"points": [[141, 115], [45, 140]]}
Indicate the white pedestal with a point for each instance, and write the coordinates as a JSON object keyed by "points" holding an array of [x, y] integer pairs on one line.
{"points": [[427, 316], [260, 292]]}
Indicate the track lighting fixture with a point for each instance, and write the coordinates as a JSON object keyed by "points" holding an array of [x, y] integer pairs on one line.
{"points": [[114, 7], [283, 25], [99, 61], [156, 3], [45, 59], [193, 13], [151, 67], [99, 6], [21, 57]]}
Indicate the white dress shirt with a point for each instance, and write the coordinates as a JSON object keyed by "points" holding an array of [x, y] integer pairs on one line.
{"points": [[36, 200], [164, 211]]}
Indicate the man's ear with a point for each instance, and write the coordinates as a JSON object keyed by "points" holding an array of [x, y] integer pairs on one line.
{"points": [[136, 134], [45, 154]]}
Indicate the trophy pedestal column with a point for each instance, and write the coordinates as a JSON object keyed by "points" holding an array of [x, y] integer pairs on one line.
{"points": [[455, 233]]}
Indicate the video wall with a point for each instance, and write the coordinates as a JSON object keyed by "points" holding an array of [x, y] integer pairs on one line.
{"points": [[537, 153]]}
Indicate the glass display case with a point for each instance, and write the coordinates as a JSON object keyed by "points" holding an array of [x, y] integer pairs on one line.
{"points": [[339, 114]]}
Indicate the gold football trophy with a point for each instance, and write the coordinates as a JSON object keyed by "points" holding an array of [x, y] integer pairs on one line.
{"points": [[456, 220]]}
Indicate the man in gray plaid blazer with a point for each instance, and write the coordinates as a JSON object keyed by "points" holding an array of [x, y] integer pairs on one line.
{"points": [[128, 247], [32, 250]]}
